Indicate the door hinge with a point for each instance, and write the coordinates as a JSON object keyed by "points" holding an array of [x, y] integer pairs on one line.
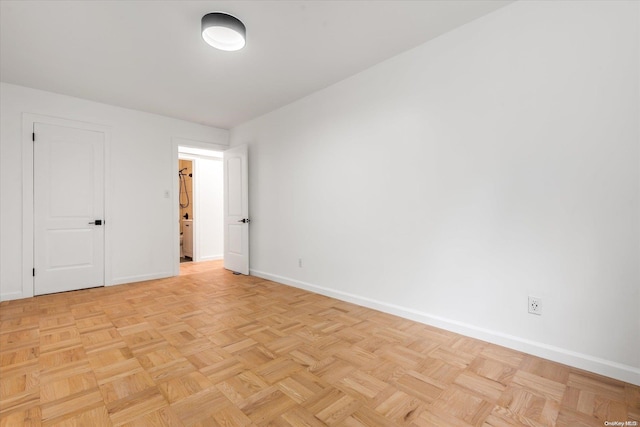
{"points": [[33, 137], [34, 272]]}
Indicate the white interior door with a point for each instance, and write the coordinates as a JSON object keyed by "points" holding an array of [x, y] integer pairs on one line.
{"points": [[68, 208], [236, 210]]}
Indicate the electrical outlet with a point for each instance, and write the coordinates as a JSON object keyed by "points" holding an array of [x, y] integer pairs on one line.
{"points": [[300, 262], [535, 305]]}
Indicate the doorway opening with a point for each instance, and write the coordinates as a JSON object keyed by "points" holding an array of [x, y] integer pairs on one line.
{"points": [[200, 204], [185, 201], [228, 177]]}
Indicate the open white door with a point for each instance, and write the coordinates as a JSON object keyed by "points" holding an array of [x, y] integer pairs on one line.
{"points": [[68, 208], [236, 210]]}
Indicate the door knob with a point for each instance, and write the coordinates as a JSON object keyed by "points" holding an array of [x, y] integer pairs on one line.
{"points": [[96, 222], [244, 220]]}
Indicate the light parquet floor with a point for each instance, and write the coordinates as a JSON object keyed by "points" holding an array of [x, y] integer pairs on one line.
{"points": [[212, 349]]}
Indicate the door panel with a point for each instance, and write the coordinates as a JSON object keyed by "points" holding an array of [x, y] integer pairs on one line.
{"points": [[234, 171], [235, 239], [69, 248], [68, 197], [236, 210]]}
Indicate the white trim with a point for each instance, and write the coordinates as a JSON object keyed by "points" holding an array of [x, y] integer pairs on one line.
{"points": [[212, 146], [189, 156], [200, 153], [108, 218], [141, 278], [578, 360], [175, 203], [28, 123]]}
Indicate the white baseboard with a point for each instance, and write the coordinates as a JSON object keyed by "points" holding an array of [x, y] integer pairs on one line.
{"points": [[211, 258], [118, 281], [8, 296], [586, 362], [139, 278]]}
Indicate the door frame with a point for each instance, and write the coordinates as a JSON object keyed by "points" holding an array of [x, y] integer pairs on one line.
{"points": [[28, 247], [177, 142]]}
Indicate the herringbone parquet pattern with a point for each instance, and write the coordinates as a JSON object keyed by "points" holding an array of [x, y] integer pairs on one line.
{"points": [[212, 349]]}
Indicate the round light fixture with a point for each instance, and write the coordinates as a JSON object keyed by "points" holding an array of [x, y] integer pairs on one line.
{"points": [[223, 31]]}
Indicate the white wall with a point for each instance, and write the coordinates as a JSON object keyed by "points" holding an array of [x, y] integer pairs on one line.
{"points": [[209, 201], [142, 164], [450, 182]]}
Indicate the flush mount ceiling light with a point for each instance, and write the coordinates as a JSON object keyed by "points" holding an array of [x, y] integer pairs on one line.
{"points": [[223, 31]]}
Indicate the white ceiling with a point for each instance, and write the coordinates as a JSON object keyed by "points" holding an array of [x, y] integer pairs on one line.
{"points": [[149, 55]]}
